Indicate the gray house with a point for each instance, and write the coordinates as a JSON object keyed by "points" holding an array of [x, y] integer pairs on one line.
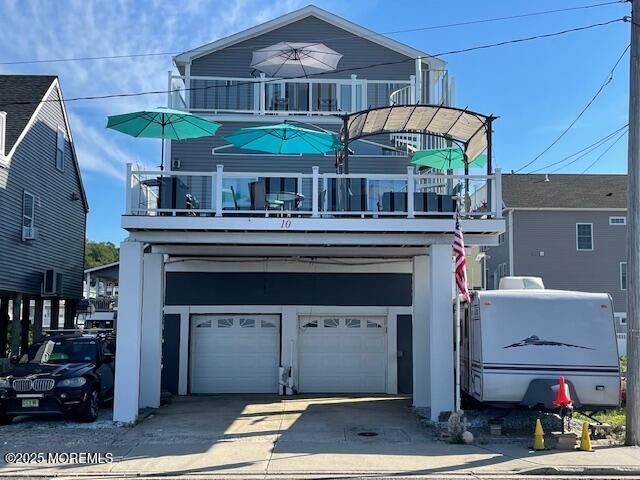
{"points": [[274, 273], [43, 211], [568, 229]]}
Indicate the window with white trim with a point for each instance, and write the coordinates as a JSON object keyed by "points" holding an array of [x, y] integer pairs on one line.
{"points": [[584, 236], [501, 238], [617, 220], [28, 215], [623, 275], [60, 150]]}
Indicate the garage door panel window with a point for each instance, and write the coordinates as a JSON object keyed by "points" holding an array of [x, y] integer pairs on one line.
{"points": [[247, 323], [225, 322], [353, 323], [331, 323]]}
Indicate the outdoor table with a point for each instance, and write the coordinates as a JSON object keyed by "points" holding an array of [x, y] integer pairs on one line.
{"points": [[285, 200]]}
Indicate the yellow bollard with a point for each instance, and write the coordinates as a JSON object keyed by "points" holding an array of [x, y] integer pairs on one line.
{"points": [[585, 440], [538, 437]]}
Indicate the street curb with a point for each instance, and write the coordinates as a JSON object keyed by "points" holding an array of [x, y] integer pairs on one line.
{"points": [[587, 471]]}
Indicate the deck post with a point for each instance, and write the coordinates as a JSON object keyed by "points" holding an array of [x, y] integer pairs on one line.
{"points": [[411, 187], [4, 325], [218, 197], [315, 193], [497, 180], [127, 191], [37, 319], [420, 333]]}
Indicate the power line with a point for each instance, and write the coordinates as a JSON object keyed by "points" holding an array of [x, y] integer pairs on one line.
{"points": [[408, 30], [350, 69], [588, 149], [606, 82], [605, 152]]}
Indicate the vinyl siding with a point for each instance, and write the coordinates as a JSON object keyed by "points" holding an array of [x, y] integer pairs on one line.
{"points": [[59, 219], [357, 52], [562, 266], [195, 155]]}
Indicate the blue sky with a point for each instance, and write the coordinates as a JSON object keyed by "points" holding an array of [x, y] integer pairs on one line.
{"points": [[537, 88]]}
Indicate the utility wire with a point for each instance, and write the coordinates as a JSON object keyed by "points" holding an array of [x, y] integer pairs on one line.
{"points": [[606, 82], [254, 47], [605, 152], [350, 69], [590, 148]]}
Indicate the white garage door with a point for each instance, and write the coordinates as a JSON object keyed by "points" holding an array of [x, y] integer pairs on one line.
{"points": [[234, 353], [343, 354]]}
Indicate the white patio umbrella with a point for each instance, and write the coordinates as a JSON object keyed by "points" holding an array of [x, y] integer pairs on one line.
{"points": [[288, 59]]}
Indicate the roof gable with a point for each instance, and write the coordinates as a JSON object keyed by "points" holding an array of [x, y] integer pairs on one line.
{"points": [[310, 10], [19, 97], [564, 191], [22, 97]]}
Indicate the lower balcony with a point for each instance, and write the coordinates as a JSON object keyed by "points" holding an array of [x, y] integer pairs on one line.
{"points": [[312, 202]]}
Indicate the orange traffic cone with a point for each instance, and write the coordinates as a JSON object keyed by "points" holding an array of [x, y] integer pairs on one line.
{"points": [[538, 437], [585, 440], [563, 399]]}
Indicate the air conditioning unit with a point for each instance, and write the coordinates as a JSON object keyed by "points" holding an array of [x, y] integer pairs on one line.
{"points": [[29, 233], [52, 283]]}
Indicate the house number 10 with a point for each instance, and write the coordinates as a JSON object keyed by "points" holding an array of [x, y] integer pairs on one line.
{"points": [[286, 224]]}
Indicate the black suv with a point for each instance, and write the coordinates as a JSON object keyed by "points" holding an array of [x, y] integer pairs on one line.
{"points": [[60, 374]]}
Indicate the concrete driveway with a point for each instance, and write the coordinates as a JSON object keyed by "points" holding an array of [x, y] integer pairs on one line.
{"points": [[268, 435]]}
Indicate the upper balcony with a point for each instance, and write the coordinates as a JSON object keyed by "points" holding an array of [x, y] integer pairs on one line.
{"points": [[306, 203], [267, 96]]}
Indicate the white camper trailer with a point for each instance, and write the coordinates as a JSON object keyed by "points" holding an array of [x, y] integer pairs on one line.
{"points": [[516, 343]]}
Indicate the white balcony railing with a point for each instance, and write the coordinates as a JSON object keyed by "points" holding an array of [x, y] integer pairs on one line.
{"points": [[299, 96], [316, 195]]}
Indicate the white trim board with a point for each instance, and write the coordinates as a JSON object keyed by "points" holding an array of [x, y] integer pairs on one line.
{"points": [[309, 10]]}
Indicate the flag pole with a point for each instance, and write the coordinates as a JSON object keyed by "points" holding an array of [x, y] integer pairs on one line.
{"points": [[457, 351], [457, 329]]}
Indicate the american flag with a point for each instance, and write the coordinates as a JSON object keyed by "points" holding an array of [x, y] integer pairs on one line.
{"points": [[461, 260]]}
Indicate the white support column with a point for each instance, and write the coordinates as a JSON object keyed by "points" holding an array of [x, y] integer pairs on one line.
{"points": [[187, 85], [263, 102], [289, 347], [420, 333], [354, 94], [127, 191], [218, 197], [497, 194], [315, 191], [441, 356], [411, 188], [418, 80], [129, 332], [151, 346]]}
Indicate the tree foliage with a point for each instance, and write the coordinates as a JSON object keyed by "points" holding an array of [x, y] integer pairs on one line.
{"points": [[99, 253]]}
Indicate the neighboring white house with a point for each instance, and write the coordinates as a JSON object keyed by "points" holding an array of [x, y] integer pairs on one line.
{"points": [[350, 286]]}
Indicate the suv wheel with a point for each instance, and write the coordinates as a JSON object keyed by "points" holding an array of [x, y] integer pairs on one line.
{"points": [[90, 407]]}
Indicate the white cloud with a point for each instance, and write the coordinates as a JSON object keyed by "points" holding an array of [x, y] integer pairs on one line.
{"points": [[77, 28]]}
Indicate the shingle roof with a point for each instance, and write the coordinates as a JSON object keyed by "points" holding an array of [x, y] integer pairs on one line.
{"points": [[564, 191], [21, 88]]}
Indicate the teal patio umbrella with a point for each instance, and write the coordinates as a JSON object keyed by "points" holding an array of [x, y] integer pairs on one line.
{"points": [[446, 159], [162, 123], [284, 138]]}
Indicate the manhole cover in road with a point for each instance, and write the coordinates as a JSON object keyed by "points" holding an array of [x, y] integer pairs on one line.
{"points": [[367, 434]]}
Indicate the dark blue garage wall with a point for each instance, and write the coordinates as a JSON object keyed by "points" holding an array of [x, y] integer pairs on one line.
{"points": [[260, 288]]}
